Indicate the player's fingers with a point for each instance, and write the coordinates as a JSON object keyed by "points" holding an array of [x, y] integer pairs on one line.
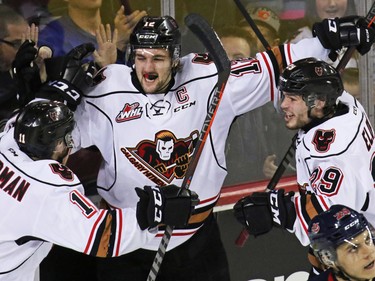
{"points": [[120, 11], [115, 35], [108, 32]]}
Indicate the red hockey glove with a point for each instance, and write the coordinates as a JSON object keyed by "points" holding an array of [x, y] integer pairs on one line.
{"points": [[169, 205], [262, 210]]}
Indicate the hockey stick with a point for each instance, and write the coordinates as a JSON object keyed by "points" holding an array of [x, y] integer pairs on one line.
{"points": [[199, 26], [244, 235], [253, 25]]}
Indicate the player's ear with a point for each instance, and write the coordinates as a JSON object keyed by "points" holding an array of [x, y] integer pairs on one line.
{"points": [[320, 104]]}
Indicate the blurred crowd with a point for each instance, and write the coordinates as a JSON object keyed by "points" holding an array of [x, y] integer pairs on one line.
{"points": [[62, 25]]}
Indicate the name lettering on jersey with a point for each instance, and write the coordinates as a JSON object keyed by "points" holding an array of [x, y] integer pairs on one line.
{"points": [[323, 139], [129, 112], [368, 135], [159, 108], [164, 158], [14, 186], [141, 167]]}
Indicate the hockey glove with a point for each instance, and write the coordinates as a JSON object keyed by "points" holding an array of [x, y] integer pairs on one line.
{"points": [[68, 79], [262, 210], [26, 72], [344, 32], [170, 205]]}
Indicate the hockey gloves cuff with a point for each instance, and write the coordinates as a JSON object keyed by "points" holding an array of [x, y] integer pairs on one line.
{"points": [[344, 32], [170, 205], [67, 77], [262, 210]]}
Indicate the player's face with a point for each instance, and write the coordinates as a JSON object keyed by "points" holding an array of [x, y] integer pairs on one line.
{"points": [[295, 110], [331, 8], [154, 69], [236, 47], [357, 257]]}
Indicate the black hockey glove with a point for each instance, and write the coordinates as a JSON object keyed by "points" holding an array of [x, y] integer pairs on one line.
{"points": [[67, 77], [170, 205], [344, 32], [262, 210], [26, 72]]}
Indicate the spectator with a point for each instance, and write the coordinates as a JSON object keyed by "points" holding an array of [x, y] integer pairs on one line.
{"points": [[13, 32], [80, 24], [343, 240], [268, 23], [34, 11], [236, 42], [317, 10]]}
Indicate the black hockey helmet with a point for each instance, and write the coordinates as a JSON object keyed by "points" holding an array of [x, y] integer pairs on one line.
{"points": [[330, 229], [156, 32], [312, 79], [40, 124]]}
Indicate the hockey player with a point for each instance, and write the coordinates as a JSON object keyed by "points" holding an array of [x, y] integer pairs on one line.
{"points": [[165, 94], [334, 153], [343, 240], [42, 201]]}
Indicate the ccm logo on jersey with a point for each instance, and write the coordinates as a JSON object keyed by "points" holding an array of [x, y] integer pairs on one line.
{"points": [[158, 204]]}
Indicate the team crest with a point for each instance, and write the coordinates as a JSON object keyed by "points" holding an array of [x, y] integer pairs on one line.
{"points": [[323, 139], [343, 213], [315, 228], [164, 158]]}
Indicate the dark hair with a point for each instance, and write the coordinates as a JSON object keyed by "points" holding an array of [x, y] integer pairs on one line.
{"points": [[8, 16], [234, 31]]}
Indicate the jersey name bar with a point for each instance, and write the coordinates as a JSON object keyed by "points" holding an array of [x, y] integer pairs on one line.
{"points": [[13, 186]]}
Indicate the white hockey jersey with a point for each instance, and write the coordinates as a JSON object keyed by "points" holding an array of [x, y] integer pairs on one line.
{"points": [[335, 161], [42, 202], [144, 139]]}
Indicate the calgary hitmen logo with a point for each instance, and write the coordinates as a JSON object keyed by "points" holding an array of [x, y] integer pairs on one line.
{"points": [[164, 158]]}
